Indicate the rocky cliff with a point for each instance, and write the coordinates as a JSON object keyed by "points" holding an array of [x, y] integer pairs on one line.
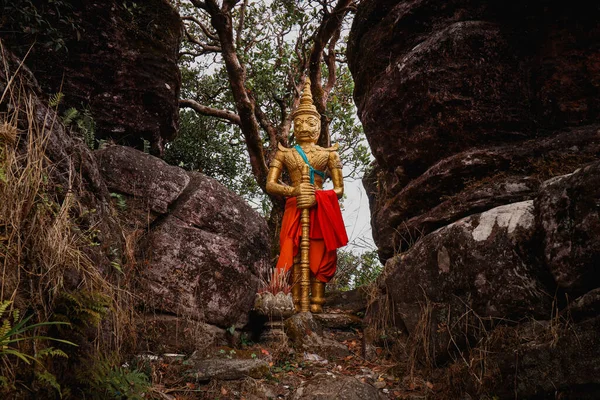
{"points": [[484, 120], [118, 59], [133, 254], [468, 105]]}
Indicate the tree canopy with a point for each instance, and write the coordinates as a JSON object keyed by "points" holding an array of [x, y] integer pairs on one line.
{"points": [[243, 66]]}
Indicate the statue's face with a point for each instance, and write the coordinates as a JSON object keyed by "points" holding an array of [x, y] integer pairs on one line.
{"points": [[307, 127]]}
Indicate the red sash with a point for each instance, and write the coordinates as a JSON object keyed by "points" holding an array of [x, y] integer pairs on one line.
{"points": [[327, 233]]}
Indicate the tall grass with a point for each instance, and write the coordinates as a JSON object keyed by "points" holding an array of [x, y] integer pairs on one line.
{"points": [[46, 271]]}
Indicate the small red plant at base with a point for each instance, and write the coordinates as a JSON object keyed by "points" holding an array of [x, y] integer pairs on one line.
{"points": [[277, 281]]}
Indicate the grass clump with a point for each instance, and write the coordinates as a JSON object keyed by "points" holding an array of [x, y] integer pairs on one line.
{"points": [[51, 292]]}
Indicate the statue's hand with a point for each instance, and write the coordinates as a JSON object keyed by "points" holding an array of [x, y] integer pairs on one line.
{"points": [[305, 195]]}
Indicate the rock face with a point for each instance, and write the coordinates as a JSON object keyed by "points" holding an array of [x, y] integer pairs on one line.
{"points": [[141, 176], [119, 59], [306, 335], [484, 120], [445, 91], [205, 247], [569, 216], [331, 386], [65, 153], [480, 265]]}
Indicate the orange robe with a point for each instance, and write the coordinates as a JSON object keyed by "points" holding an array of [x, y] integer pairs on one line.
{"points": [[327, 233]]}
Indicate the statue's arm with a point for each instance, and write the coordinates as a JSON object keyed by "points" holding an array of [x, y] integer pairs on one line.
{"points": [[274, 187], [335, 170]]}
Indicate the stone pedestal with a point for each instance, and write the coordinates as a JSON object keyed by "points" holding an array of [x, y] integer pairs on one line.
{"points": [[277, 308]]}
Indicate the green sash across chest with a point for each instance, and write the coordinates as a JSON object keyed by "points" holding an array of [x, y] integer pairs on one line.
{"points": [[312, 171]]}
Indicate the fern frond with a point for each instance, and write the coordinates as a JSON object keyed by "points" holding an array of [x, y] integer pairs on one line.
{"points": [[69, 116], [4, 305], [48, 379], [56, 99], [51, 352]]}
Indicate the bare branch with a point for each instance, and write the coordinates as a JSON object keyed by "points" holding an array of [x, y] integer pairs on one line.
{"points": [[330, 62], [228, 5], [189, 53], [327, 30], [205, 30], [199, 4], [209, 111], [240, 27], [221, 21], [206, 47]]}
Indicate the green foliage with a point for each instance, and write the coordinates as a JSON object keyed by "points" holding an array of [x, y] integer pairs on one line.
{"points": [[14, 330], [82, 309], [48, 379], [69, 116], [49, 23], [83, 122], [216, 149], [105, 379], [231, 330], [146, 146], [121, 201], [56, 99], [355, 270]]}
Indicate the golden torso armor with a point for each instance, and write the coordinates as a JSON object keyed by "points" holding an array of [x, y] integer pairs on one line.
{"points": [[321, 159]]}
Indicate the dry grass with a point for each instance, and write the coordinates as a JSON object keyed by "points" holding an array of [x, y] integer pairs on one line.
{"points": [[420, 339], [406, 237], [43, 250]]}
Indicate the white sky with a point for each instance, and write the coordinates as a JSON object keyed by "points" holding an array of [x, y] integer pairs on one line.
{"points": [[357, 217]]}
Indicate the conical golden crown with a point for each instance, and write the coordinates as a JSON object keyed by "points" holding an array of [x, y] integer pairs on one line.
{"points": [[306, 103]]}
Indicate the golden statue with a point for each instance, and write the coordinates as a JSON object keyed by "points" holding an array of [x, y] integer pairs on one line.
{"points": [[312, 227]]}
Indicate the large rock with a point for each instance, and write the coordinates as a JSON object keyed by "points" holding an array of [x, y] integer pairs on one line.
{"points": [[469, 107], [205, 248], [141, 176], [568, 212], [117, 58], [433, 79], [471, 182], [480, 267], [307, 335], [583, 307], [333, 386], [167, 333], [464, 103], [351, 301], [548, 359]]}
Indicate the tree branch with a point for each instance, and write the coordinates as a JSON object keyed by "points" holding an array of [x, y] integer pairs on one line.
{"points": [[240, 27], [221, 21], [203, 27], [330, 62], [209, 111], [228, 5], [331, 23], [199, 4], [206, 47]]}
